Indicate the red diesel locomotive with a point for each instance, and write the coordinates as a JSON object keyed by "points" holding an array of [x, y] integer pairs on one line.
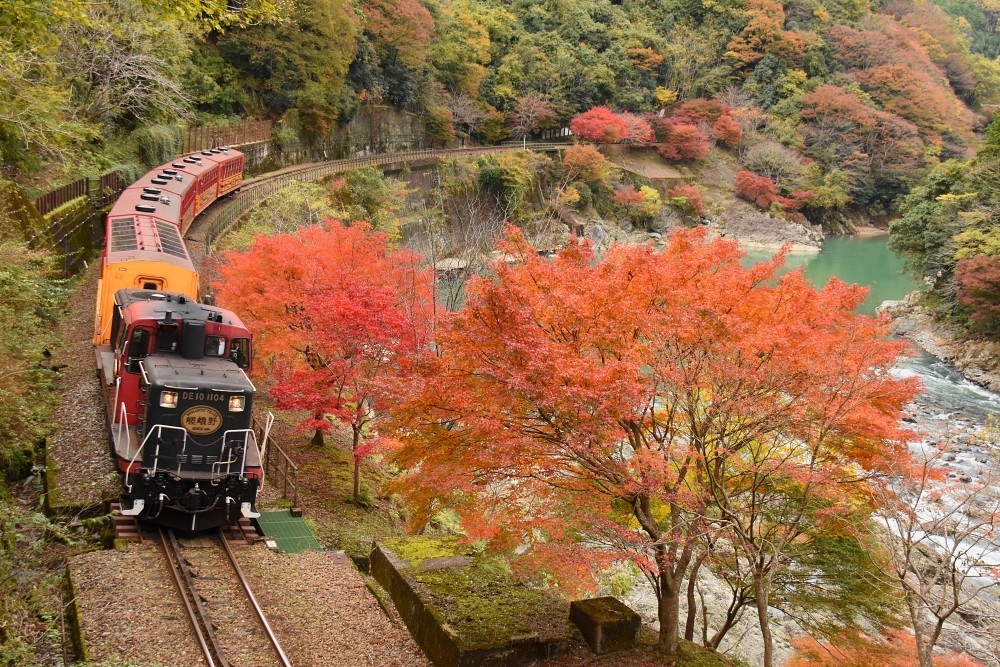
{"points": [[173, 370]]}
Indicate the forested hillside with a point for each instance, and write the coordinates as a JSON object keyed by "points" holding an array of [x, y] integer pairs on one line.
{"points": [[866, 97]]}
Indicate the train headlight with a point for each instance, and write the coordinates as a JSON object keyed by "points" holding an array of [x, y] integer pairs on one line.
{"points": [[237, 403], [168, 399]]}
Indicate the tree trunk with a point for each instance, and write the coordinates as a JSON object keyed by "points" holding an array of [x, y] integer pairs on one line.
{"points": [[733, 613], [692, 611], [357, 463], [762, 593], [317, 439], [925, 648], [669, 612]]}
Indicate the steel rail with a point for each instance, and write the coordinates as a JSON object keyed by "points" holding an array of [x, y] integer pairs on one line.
{"points": [[196, 613], [253, 601]]}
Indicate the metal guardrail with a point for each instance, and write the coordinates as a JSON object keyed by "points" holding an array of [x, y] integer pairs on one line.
{"points": [[278, 466], [254, 194]]}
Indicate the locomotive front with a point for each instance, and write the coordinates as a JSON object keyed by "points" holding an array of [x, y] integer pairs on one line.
{"points": [[200, 462], [181, 405]]}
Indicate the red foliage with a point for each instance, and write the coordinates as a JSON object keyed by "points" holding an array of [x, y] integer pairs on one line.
{"points": [[762, 192], [682, 142], [758, 190], [404, 25], [704, 113], [860, 49], [691, 194], [727, 131], [699, 110], [520, 413], [628, 195], [600, 125], [900, 650], [978, 281], [860, 138], [638, 129], [764, 33], [336, 313], [911, 95]]}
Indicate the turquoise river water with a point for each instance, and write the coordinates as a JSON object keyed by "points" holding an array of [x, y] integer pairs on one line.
{"points": [[868, 261]]}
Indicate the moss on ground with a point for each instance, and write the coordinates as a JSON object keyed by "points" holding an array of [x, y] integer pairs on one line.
{"points": [[419, 548], [478, 599]]}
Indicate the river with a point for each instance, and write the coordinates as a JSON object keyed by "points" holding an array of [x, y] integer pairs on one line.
{"points": [[868, 261]]}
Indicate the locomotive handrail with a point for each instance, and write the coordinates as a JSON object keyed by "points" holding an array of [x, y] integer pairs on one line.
{"points": [[157, 429], [123, 420], [248, 436]]}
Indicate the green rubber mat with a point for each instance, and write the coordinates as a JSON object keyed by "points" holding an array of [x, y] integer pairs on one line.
{"points": [[290, 532]]}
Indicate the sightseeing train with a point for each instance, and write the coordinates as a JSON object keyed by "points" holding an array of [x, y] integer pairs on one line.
{"points": [[173, 370]]}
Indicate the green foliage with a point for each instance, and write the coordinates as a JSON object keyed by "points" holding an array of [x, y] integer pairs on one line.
{"points": [[367, 194], [28, 299], [301, 64], [924, 233], [511, 176], [621, 578], [847, 585], [297, 205], [157, 143]]}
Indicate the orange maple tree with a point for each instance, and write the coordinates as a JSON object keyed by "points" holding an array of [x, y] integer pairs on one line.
{"points": [[577, 410], [334, 312], [853, 650]]}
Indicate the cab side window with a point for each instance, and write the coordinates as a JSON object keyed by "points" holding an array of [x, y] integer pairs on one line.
{"points": [[239, 352], [215, 346], [138, 348]]}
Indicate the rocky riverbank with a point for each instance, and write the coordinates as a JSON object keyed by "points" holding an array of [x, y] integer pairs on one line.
{"points": [[977, 360]]}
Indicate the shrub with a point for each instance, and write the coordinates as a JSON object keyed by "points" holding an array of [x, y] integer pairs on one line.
{"points": [[978, 280], [599, 124], [727, 131], [682, 142], [638, 131], [585, 163], [763, 193], [157, 143], [687, 199]]}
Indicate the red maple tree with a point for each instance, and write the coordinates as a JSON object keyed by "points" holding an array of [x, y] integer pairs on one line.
{"points": [[600, 125], [335, 313], [680, 141], [691, 195], [978, 281], [580, 410]]}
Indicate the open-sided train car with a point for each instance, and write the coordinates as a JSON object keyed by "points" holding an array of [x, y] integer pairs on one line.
{"points": [[175, 382]]}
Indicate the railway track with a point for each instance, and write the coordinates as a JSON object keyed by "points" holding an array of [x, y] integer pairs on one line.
{"points": [[224, 217], [229, 623]]}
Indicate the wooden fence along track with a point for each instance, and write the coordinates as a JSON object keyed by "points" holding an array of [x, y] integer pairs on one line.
{"points": [[206, 584], [226, 217]]}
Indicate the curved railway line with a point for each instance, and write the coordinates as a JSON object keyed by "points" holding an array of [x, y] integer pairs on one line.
{"points": [[219, 220], [217, 596]]}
